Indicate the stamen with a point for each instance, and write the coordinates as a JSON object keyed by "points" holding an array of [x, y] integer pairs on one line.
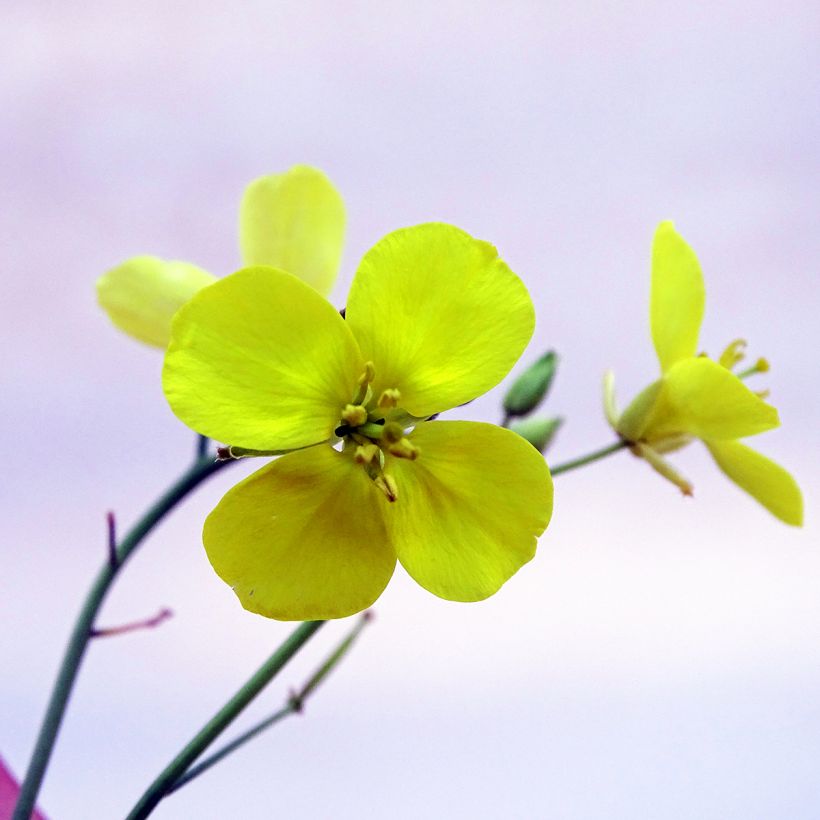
{"points": [[387, 485], [366, 453], [363, 393], [733, 354], [354, 414], [404, 448], [368, 375], [393, 432], [389, 398], [661, 466]]}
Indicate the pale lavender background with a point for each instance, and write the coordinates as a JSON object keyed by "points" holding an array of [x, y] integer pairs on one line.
{"points": [[660, 658]]}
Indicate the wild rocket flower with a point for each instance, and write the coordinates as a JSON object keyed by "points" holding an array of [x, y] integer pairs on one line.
{"points": [[261, 361], [294, 221], [696, 397]]}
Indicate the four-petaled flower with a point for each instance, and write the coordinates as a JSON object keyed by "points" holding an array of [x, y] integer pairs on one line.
{"points": [[261, 361], [294, 221], [695, 396]]}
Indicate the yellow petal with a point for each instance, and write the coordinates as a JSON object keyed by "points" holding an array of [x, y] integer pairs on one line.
{"points": [[704, 399], [677, 297], [302, 538], [142, 295], [294, 221], [262, 361], [440, 315], [764, 480], [469, 508]]}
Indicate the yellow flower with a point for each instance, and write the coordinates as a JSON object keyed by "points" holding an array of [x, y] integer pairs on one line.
{"points": [[260, 360], [696, 397], [294, 221]]}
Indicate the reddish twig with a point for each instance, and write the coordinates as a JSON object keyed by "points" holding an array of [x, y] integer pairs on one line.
{"points": [[146, 623]]}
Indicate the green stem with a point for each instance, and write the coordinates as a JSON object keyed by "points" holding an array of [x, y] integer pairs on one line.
{"points": [[212, 760], [566, 466], [295, 704], [221, 720], [200, 470]]}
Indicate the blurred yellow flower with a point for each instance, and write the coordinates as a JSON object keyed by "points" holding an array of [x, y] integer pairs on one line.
{"points": [[260, 360], [294, 221], [696, 397]]}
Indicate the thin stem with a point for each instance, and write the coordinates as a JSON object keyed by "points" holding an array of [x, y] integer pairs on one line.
{"points": [[200, 470], [294, 705], [212, 760], [566, 466], [222, 719]]}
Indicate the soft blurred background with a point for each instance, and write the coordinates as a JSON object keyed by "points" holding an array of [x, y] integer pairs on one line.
{"points": [[660, 658]]}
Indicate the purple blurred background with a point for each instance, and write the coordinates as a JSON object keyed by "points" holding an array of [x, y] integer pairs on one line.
{"points": [[661, 656]]}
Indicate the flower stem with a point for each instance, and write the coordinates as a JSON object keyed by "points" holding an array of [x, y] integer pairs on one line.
{"points": [[221, 720], [566, 466], [294, 705], [200, 470]]}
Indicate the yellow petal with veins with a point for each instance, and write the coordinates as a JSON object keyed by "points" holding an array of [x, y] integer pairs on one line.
{"points": [[705, 400], [759, 476], [301, 539], [469, 509], [440, 315], [260, 360]]}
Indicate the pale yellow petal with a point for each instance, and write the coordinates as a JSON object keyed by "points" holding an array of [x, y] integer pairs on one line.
{"points": [[142, 295], [677, 296], [302, 538], [759, 476], [294, 221]]}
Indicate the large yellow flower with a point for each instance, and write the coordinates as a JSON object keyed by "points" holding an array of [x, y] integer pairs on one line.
{"points": [[261, 361], [696, 397], [294, 221]]}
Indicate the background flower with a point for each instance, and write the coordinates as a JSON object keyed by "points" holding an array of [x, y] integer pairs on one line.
{"points": [[695, 396], [294, 221]]}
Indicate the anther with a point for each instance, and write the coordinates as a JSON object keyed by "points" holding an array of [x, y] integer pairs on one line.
{"points": [[354, 414], [393, 432], [364, 393], [366, 453], [387, 485], [368, 375], [404, 448], [389, 398]]}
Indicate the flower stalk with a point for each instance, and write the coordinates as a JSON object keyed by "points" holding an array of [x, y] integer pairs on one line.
{"points": [[294, 705], [222, 719]]}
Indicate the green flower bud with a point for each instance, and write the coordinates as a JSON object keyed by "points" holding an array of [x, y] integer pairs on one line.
{"points": [[538, 432], [529, 389]]}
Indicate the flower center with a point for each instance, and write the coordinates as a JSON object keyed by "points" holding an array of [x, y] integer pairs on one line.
{"points": [[370, 429]]}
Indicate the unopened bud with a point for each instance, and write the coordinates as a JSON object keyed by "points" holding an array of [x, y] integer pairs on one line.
{"points": [[537, 431], [530, 388]]}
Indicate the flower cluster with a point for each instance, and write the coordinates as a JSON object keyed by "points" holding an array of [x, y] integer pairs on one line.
{"points": [[363, 474]]}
